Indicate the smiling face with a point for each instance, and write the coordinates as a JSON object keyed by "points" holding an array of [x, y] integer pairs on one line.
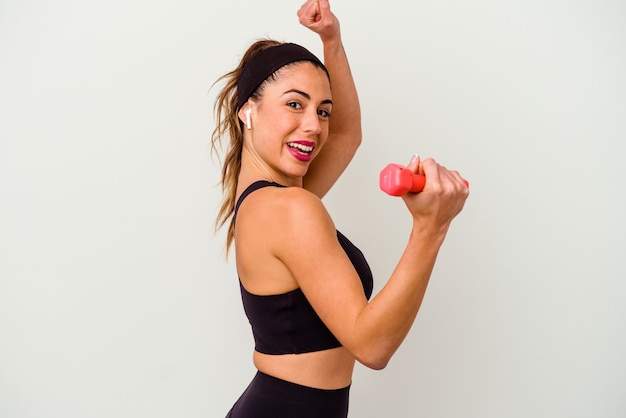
{"points": [[289, 122]]}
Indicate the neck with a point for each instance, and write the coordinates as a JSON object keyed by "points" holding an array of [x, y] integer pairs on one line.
{"points": [[253, 169], [250, 162]]}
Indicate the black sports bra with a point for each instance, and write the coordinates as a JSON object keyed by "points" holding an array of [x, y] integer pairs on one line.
{"points": [[287, 323]]}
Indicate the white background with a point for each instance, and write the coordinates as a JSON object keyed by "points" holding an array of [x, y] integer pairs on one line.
{"points": [[116, 300]]}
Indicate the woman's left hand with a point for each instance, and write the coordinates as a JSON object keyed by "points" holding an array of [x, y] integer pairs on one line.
{"points": [[316, 15]]}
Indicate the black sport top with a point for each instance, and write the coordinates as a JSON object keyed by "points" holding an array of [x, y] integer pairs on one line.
{"points": [[287, 323]]}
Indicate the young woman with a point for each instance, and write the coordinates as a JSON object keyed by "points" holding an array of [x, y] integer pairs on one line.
{"points": [[293, 125]]}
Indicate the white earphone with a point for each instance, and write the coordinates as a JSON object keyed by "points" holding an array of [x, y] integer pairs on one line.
{"points": [[248, 124]]}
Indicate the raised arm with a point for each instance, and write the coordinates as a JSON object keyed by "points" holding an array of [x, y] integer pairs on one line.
{"points": [[345, 122]]}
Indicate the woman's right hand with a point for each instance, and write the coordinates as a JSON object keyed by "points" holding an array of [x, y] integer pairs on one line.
{"points": [[443, 197]]}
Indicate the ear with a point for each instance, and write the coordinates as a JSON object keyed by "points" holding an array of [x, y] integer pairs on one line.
{"points": [[244, 114]]}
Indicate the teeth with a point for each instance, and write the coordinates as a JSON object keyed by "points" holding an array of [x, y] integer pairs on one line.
{"points": [[301, 147]]}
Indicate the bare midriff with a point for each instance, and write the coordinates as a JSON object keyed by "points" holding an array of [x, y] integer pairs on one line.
{"points": [[327, 369]]}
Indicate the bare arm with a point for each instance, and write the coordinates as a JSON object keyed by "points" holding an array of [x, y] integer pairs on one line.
{"points": [[345, 123], [372, 331]]}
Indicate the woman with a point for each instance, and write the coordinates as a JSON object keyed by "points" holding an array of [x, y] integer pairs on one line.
{"points": [[305, 287]]}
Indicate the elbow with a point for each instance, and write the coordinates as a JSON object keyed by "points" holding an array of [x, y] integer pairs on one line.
{"points": [[374, 360], [354, 136], [376, 365]]}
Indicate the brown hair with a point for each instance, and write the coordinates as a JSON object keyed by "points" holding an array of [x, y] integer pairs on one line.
{"points": [[229, 125]]}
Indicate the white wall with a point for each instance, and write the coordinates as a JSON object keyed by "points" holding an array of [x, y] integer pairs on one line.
{"points": [[115, 300]]}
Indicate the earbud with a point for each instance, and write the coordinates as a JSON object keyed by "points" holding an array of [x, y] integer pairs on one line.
{"points": [[248, 124]]}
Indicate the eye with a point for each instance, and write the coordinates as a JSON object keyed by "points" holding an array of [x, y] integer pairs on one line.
{"points": [[295, 105], [323, 113]]}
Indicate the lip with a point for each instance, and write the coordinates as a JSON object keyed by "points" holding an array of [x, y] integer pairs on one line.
{"points": [[305, 143], [299, 154]]}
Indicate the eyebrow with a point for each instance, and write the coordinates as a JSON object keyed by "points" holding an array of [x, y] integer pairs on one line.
{"points": [[307, 95]]}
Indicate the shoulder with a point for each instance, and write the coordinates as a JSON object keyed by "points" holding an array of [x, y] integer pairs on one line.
{"points": [[288, 204], [280, 230], [288, 214], [285, 200], [303, 209], [297, 201]]}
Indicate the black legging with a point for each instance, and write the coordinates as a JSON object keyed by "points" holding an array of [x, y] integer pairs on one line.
{"points": [[270, 397]]}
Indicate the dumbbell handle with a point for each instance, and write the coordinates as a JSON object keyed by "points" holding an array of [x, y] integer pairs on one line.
{"points": [[397, 180]]}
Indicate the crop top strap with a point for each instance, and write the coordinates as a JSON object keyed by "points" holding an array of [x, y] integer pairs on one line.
{"points": [[259, 184]]}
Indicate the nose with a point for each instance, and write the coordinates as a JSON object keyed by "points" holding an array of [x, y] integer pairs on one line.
{"points": [[311, 122]]}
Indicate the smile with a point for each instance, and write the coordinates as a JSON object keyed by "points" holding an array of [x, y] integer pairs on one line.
{"points": [[307, 149], [301, 150]]}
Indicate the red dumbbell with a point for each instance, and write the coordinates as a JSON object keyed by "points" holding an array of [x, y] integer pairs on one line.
{"points": [[397, 180]]}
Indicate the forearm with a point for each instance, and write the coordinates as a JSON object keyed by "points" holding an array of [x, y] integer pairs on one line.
{"points": [[346, 113], [345, 134], [386, 320]]}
